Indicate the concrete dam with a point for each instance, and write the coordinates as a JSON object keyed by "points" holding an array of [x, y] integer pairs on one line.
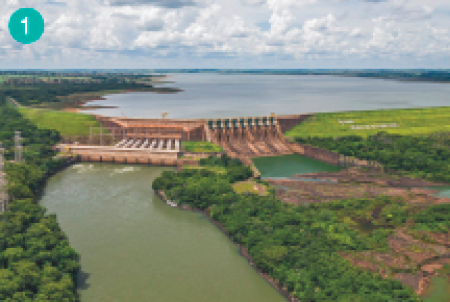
{"points": [[158, 141]]}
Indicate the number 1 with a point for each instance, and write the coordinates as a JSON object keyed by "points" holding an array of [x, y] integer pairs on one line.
{"points": [[25, 21]]}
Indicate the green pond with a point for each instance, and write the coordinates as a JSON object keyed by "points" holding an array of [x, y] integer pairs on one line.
{"points": [[288, 165], [444, 191], [439, 290], [136, 248]]}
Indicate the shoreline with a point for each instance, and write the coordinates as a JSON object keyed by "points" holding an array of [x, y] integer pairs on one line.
{"points": [[242, 249], [79, 105]]}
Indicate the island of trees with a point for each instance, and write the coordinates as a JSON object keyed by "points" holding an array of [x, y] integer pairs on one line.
{"points": [[302, 247]]}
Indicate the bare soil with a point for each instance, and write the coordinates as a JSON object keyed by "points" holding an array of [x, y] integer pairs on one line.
{"points": [[360, 175], [411, 261], [355, 183], [414, 256]]}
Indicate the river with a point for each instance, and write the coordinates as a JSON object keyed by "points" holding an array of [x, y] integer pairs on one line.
{"points": [[228, 95], [136, 248]]}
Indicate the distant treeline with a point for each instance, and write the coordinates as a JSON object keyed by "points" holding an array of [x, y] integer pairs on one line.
{"points": [[418, 75], [400, 74], [74, 73], [32, 94]]}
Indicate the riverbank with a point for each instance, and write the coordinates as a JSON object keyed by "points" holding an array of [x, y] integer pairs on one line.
{"points": [[28, 220], [243, 251]]}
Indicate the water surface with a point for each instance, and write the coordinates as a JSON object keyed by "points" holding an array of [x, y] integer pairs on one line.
{"points": [[135, 248], [288, 165], [439, 291], [229, 95]]}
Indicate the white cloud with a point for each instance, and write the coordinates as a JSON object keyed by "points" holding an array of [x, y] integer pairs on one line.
{"points": [[86, 32]]}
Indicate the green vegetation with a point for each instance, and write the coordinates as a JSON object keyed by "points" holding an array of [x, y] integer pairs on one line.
{"points": [[66, 123], [298, 245], [250, 187], [38, 93], [36, 260], [217, 170], [420, 121], [39, 77], [424, 157], [201, 147]]}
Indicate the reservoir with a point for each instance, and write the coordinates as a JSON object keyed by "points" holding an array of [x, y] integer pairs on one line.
{"points": [[134, 247], [212, 95]]}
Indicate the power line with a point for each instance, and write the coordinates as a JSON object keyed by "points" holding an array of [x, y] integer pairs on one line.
{"points": [[3, 193], [18, 147]]}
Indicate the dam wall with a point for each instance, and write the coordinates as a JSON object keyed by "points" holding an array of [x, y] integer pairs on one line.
{"points": [[323, 155], [194, 129], [332, 158], [287, 122], [184, 129], [239, 137], [123, 156]]}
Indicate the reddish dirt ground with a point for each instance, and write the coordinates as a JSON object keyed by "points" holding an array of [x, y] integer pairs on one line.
{"points": [[415, 256]]}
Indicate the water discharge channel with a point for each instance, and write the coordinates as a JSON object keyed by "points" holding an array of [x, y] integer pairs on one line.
{"points": [[289, 165], [135, 248]]}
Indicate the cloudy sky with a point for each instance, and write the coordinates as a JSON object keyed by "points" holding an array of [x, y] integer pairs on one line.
{"points": [[232, 34]]}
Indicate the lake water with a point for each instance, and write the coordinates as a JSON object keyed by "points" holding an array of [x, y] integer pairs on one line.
{"points": [[225, 95], [136, 248]]}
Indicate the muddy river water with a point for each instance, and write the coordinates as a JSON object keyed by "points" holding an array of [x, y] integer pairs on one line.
{"points": [[136, 248]]}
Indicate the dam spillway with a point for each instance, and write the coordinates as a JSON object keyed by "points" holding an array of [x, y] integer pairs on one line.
{"points": [[158, 141]]}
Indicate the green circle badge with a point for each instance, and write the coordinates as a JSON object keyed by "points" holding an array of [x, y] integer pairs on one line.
{"points": [[26, 25]]}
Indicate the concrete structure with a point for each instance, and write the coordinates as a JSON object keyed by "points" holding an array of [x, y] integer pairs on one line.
{"points": [[123, 155], [174, 129], [158, 141], [247, 137]]}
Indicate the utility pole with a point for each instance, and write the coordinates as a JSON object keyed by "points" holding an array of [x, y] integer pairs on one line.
{"points": [[101, 136], [18, 147], [3, 193]]}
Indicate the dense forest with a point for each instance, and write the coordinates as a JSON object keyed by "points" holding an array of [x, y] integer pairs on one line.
{"points": [[36, 260], [425, 157], [299, 245], [37, 93]]}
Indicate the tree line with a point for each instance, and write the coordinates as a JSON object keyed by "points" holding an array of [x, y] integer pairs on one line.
{"points": [[426, 157], [298, 245], [37, 93], [36, 261]]}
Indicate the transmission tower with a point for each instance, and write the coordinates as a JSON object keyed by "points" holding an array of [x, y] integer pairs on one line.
{"points": [[18, 147], [3, 194]]}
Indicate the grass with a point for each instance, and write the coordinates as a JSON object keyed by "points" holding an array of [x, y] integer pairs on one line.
{"points": [[417, 121], [249, 187], [67, 123], [217, 170], [201, 147]]}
